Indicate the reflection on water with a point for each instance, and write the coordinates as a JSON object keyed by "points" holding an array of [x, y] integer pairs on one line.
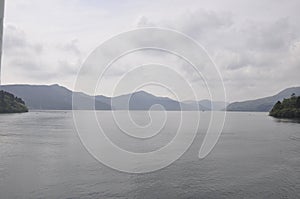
{"points": [[257, 156], [287, 120]]}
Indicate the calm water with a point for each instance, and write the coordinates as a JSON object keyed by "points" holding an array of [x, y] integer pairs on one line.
{"points": [[256, 157]]}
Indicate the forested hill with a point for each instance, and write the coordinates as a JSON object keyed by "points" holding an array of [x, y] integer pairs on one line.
{"points": [[288, 108], [11, 104]]}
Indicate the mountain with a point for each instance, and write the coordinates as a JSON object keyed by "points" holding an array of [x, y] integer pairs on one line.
{"points": [[11, 104], [141, 100], [207, 105], [263, 104], [55, 97], [214, 105], [194, 105]]}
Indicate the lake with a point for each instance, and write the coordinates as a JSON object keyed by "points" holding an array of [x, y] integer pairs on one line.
{"points": [[257, 156]]}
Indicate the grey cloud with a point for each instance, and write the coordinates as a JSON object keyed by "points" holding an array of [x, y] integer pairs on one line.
{"points": [[72, 47], [24, 63], [254, 59], [13, 37], [68, 68], [20, 55], [273, 36], [143, 21], [15, 40], [197, 23], [251, 53], [255, 44], [202, 22], [24, 57]]}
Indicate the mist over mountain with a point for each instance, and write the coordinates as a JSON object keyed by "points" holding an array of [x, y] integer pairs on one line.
{"points": [[208, 105], [263, 104], [55, 97]]}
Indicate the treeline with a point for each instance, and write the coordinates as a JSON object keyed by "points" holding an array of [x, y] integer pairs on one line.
{"points": [[288, 108], [11, 104]]}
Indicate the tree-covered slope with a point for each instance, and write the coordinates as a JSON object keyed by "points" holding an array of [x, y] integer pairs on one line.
{"points": [[288, 108], [11, 104]]}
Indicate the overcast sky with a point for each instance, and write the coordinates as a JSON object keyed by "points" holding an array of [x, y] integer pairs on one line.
{"points": [[255, 44]]}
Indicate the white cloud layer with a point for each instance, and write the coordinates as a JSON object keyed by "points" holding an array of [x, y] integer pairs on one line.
{"points": [[256, 44]]}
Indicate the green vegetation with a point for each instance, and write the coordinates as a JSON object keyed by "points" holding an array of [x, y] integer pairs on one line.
{"points": [[11, 104], [288, 108]]}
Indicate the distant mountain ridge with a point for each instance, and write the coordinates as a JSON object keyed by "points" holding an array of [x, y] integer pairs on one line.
{"points": [[55, 97], [140, 100], [208, 105], [263, 104], [44, 97]]}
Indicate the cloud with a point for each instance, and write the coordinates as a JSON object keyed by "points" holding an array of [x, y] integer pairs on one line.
{"points": [[272, 36], [143, 21], [15, 41], [252, 54], [254, 43], [19, 53], [72, 47], [201, 23], [36, 61]]}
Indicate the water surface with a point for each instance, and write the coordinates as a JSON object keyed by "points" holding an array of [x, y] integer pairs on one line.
{"points": [[256, 156]]}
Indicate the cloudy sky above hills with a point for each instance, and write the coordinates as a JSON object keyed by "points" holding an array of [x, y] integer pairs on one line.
{"points": [[255, 44]]}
